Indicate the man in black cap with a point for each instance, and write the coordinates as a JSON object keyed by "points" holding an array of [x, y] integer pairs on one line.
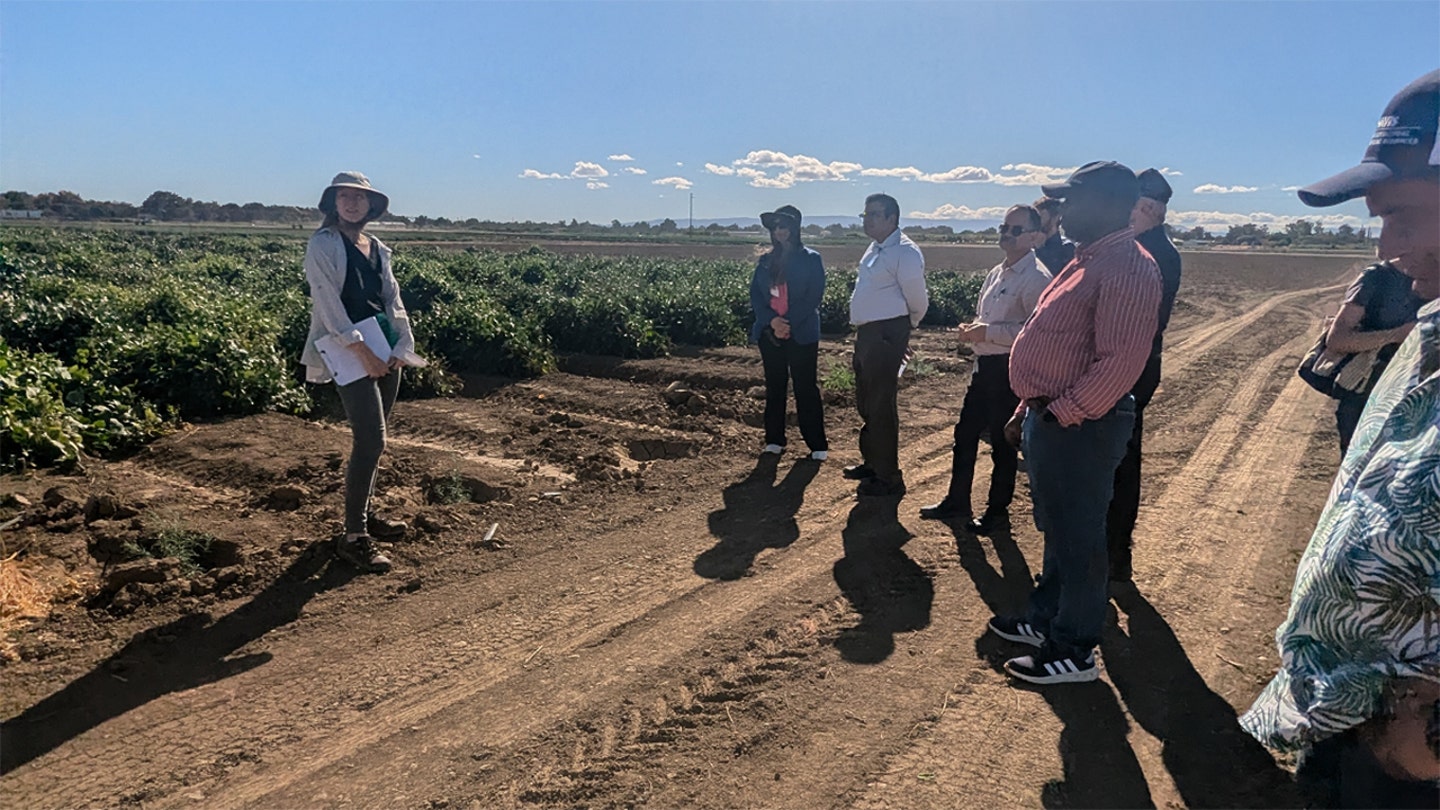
{"points": [[1358, 689], [1072, 366], [1148, 222]]}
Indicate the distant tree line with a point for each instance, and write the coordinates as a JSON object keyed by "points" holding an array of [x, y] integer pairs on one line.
{"points": [[167, 206]]}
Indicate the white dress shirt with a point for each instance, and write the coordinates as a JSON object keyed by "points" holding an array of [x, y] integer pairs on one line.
{"points": [[1007, 298], [891, 282]]}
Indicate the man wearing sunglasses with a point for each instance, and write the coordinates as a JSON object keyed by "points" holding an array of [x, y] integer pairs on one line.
{"points": [[1148, 222], [1073, 365], [1055, 251], [1007, 298]]}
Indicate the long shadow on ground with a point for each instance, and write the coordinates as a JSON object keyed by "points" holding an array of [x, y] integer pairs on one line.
{"points": [[1213, 761], [890, 592], [757, 515], [183, 654], [1100, 767]]}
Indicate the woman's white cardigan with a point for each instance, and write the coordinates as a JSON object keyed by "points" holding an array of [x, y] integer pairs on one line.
{"points": [[325, 267]]}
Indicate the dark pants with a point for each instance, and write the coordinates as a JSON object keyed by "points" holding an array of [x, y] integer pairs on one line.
{"points": [[1340, 771], [1347, 417], [367, 405], [989, 404], [879, 350], [1125, 504], [1072, 476], [785, 360]]}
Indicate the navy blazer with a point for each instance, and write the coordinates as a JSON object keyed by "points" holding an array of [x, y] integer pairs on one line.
{"points": [[805, 282]]}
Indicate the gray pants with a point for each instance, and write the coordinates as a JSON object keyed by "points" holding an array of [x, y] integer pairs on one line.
{"points": [[879, 349], [367, 404]]}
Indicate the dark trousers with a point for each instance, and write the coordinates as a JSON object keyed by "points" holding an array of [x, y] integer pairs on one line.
{"points": [[989, 404], [1347, 417], [367, 404], [1072, 476], [879, 350], [786, 360], [1125, 503]]}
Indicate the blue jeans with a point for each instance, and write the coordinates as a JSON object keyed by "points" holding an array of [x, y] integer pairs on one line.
{"points": [[1072, 478]]}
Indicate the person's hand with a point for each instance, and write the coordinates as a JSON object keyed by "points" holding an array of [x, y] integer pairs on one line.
{"points": [[397, 364], [1013, 429], [972, 332], [375, 368], [780, 327]]}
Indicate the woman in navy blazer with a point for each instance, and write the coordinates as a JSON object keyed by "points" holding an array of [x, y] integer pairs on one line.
{"points": [[785, 293]]}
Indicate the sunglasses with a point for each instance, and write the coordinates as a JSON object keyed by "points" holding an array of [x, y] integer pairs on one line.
{"points": [[1015, 230]]}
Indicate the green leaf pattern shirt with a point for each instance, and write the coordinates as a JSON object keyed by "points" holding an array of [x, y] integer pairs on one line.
{"points": [[1366, 603]]}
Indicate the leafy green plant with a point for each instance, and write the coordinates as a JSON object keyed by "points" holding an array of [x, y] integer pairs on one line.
{"points": [[189, 546], [838, 377], [447, 489]]}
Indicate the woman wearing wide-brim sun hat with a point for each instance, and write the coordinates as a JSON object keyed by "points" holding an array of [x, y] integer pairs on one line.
{"points": [[351, 283], [785, 293]]}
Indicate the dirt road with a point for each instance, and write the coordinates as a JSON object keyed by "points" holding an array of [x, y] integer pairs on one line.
{"points": [[660, 621]]}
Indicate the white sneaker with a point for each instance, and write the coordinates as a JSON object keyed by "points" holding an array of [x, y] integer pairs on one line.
{"points": [[774, 449], [819, 455]]}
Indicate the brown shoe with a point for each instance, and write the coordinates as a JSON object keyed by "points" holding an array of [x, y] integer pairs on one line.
{"points": [[384, 529], [362, 553]]}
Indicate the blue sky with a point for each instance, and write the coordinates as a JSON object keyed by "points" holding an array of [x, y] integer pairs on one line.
{"points": [[611, 110]]}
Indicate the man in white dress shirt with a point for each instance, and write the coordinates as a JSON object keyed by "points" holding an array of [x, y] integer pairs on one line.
{"points": [[889, 300], [1008, 296]]}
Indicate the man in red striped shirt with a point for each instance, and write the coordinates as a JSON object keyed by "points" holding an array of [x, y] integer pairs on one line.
{"points": [[1072, 366]]}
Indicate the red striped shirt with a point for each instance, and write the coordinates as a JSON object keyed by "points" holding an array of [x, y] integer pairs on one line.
{"points": [[1090, 336]]}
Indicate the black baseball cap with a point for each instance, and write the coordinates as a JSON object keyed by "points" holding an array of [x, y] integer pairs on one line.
{"points": [[1104, 176], [1154, 186], [1403, 146], [780, 216]]}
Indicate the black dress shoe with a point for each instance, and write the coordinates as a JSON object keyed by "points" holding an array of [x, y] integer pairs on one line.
{"points": [[944, 510], [874, 487], [858, 472], [989, 522]]}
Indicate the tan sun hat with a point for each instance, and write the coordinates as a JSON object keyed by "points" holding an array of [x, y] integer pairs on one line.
{"points": [[379, 203]]}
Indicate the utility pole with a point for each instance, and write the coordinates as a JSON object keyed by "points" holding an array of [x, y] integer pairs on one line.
{"points": [[692, 212]]}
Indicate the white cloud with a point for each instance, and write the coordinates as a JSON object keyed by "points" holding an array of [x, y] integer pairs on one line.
{"points": [[960, 174], [1031, 174], [477, 157], [1220, 221], [721, 170], [906, 173], [1291, 188], [948, 211], [1211, 188], [797, 168], [594, 184], [1171, 172], [621, 156], [584, 169], [678, 163], [532, 174], [679, 183], [634, 170]]}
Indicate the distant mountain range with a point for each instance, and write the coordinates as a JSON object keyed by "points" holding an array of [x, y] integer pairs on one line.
{"points": [[826, 221]]}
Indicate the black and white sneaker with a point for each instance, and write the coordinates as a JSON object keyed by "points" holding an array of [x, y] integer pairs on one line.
{"points": [[1043, 669], [360, 551], [1016, 630]]}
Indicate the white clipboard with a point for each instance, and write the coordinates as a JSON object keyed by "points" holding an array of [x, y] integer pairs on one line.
{"points": [[344, 365]]}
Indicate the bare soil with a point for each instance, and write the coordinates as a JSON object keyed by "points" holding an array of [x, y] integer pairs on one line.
{"points": [[660, 620]]}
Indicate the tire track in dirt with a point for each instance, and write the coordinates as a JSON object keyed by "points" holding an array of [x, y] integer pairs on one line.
{"points": [[623, 620]]}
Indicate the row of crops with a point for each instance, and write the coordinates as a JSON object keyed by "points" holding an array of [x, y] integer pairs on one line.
{"points": [[107, 338]]}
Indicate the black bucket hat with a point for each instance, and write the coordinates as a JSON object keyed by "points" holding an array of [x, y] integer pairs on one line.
{"points": [[1403, 146], [379, 203], [786, 216]]}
